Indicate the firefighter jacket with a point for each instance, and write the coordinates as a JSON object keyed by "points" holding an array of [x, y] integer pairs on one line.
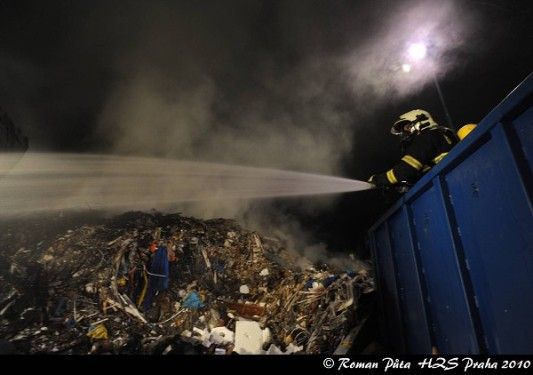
{"points": [[426, 149]]}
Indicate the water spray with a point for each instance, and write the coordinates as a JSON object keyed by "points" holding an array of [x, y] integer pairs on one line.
{"points": [[48, 181]]}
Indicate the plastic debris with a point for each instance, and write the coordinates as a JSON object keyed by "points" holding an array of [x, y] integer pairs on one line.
{"points": [[244, 289], [274, 349], [291, 348], [264, 272], [247, 310], [221, 335], [248, 338], [98, 332], [192, 301], [168, 284]]}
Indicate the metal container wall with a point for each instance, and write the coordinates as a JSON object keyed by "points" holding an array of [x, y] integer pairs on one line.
{"points": [[454, 256]]}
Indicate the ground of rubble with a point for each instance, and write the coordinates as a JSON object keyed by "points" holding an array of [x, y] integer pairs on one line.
{"points": [[223, 290]]}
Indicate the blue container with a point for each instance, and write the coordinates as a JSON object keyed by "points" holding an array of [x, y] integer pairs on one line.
{"points": [[454, 256]]}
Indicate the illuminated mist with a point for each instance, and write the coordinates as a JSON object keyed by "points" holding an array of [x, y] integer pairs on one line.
{"points": [[281, 85], [42, 182]]}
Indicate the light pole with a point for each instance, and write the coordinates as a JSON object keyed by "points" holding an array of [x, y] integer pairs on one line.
{"points": [[416, 52], [448, 117]]}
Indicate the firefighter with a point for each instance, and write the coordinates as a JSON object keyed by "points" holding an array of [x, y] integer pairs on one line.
{"points": [[424, 144]]}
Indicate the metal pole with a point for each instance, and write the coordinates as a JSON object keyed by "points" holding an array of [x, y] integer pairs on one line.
{"points": [[441, 97]]}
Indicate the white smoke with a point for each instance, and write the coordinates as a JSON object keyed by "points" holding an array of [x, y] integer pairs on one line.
{"points": [[211, 82]]}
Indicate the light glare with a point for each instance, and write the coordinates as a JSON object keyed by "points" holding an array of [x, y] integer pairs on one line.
{"points": [[417, 51], [406, 68]]}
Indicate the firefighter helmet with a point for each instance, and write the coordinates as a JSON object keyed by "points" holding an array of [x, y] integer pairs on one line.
{"points": [[465, 130], [413, 121]]}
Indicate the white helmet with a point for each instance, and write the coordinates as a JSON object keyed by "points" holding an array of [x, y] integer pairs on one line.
{"points": [[413, 121]]}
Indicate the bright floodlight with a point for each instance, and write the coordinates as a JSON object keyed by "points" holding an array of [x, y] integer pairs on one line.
{"points": [[406, 68], [417, 51]]}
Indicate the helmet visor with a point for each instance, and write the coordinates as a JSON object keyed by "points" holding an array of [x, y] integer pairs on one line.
{"points": [[399, 127]]}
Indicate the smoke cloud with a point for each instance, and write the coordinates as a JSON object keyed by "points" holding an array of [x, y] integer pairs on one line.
{"points": [[443, 27], [267, 84], [297, 105]]}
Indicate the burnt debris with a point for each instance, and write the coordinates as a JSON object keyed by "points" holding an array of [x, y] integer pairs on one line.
{"points": [[150, 283]]}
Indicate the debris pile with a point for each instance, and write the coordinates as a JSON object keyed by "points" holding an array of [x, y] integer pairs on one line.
{"points": [[168, 284]]}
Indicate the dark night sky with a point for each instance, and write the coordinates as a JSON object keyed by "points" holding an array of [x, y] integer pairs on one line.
{"points": [[76, 76]]}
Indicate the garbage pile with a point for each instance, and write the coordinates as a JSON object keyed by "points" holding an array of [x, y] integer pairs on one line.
{"points": [[145, 283]]}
